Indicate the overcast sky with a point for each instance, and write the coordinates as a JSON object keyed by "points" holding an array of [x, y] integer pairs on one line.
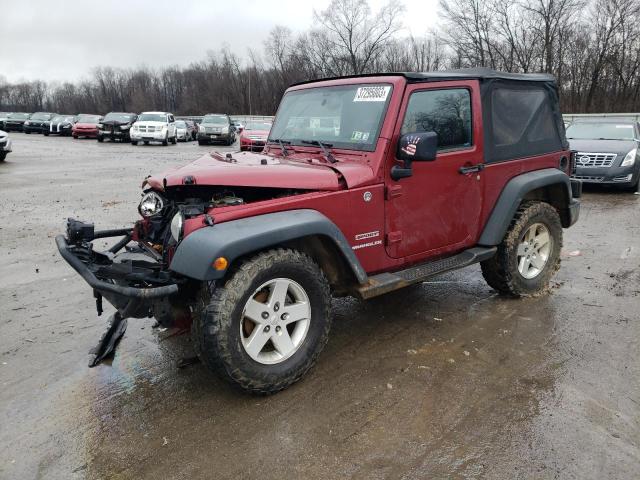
{"points": [[65, 40]]}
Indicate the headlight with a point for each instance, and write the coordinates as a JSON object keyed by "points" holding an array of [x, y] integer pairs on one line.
{"points": [[630, 158], [150, 204], [177, 222]]}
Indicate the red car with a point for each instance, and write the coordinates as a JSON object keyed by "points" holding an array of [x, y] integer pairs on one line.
{"points": [[86, 126], [367, 184], [254, 136]]}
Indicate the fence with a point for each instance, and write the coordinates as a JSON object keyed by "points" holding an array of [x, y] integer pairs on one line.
{"points": [[570, 117], [238, 118]]}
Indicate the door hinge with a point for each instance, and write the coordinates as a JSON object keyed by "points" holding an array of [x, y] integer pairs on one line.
{"points": [[393, 191], [394, 237]]}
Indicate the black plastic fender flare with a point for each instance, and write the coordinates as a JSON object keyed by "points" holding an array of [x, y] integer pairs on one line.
{"points": [[195, 255], [511, 197]]}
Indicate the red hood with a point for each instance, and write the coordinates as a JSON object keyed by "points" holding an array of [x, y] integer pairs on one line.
{"points": [[86, 125], [247, 170]]}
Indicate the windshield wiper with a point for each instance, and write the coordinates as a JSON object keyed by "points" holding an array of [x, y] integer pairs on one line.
{"points": [[327, 154], [281, 143]]}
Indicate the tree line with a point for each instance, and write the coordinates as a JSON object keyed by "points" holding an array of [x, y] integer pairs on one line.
{"points": [[591, 46]]}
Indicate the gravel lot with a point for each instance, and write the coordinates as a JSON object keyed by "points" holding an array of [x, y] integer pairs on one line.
{"points": [[441, 380]]}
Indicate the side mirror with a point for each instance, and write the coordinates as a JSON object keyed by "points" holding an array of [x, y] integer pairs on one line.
{"points": [[418, 147]]}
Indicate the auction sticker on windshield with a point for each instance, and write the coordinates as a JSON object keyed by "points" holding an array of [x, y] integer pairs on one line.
{"points": [[372, 93]]}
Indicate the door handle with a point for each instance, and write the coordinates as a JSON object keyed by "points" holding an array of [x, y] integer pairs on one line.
{"points": [[471, 168]]}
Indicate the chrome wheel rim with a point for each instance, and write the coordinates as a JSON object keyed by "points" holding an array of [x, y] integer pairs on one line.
{"points": [[534, 250], [275, 321]]}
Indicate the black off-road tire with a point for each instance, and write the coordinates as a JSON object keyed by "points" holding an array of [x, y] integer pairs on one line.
{"points": [[3, 155], [501, 271], [216, 325]]}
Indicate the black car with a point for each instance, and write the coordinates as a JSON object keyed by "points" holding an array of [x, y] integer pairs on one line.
{"points": [[60, 125], [607, 151], [15, 121], [116, 125], [36, 122], [216, 127]]}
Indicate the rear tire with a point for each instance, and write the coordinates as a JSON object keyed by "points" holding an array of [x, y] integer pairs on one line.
{"points": [[174, 140], [529, 254], [223, 328], [165, 142]]}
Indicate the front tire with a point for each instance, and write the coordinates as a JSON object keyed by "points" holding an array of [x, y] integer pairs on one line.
{"points": [[100, 138], [529, 254], [264, 327], [134, 142]]}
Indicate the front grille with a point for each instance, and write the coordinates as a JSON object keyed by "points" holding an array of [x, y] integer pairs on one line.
{"points": [[588, 178], [212, 129], [594, 160]]}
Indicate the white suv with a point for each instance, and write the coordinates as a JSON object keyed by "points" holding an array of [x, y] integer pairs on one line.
{"points": [[154, 127]]}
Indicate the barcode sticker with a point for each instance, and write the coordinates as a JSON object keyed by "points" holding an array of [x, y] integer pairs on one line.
{"points": [[372, 94]]}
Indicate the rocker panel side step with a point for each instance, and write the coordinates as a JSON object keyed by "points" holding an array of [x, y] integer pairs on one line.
{"points": [[387, 282]]}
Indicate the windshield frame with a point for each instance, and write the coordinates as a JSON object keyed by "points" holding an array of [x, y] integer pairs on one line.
{"points": [[119, 117], [357, 147], [225, 119], [86, 119], [623, 125], [153, 117]]}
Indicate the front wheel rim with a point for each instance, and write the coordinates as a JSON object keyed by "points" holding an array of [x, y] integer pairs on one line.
{"points": [[275, 321], [534, 250]]}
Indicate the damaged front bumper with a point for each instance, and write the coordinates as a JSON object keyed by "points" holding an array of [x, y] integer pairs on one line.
{"points": [[130, 280]]}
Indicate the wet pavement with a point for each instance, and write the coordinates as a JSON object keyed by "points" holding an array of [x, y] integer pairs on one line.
{"points": [[440, 380]]}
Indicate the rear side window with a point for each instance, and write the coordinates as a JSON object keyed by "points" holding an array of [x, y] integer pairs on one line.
{"points": [[446, 112], [522, 123]]}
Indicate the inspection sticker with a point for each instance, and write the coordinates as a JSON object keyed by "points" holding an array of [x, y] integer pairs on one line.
{"points": [[372, 94]]}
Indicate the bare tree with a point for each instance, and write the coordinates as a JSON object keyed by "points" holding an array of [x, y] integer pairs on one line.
{"points": [[351, 33]]}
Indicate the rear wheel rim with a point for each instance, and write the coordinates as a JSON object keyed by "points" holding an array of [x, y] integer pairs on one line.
{"points": [[275, 321], [534, 250]]}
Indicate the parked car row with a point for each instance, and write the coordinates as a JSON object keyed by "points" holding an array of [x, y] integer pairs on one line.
{"points": [[161, 127]]}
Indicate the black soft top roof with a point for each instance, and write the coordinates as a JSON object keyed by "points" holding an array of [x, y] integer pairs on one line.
{"points": [[459, 74]]}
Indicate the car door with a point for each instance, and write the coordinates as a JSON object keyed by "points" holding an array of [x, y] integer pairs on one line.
{"points": [[437, 209]]}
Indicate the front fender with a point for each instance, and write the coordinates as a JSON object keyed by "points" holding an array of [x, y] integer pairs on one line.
{"points": [[195, 255]]}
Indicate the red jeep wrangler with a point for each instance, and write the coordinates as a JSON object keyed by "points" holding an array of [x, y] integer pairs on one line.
{"points": [[367, 184]]}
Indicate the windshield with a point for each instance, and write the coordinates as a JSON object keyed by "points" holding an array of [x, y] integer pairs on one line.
{"points": [[40, 116], [215, 119], [19, 116], [600, 131], [152, 117], [61, 118], [88, 118], [345, 116], [181, 124], [258, 126], [119, 117]]}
